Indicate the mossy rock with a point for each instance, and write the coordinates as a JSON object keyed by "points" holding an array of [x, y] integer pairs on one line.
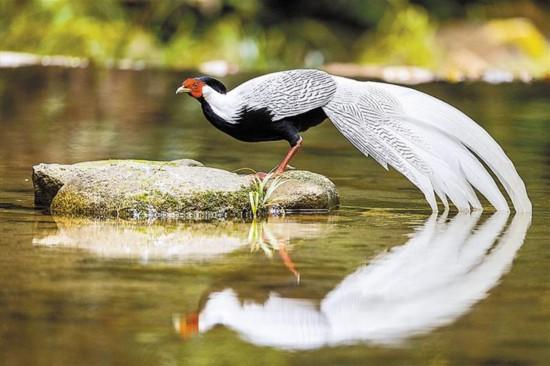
{"points": [[49, 178], [181, 189], [305, 191]]}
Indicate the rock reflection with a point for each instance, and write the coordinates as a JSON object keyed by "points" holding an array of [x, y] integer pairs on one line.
{"points": [[177, 241], [119, 239], [435, 277]]}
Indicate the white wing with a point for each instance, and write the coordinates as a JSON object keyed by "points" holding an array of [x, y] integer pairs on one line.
{"points": [[287, 93], [428, 141]]}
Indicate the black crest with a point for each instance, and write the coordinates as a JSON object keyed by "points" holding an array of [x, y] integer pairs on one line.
{"points": [[214, 84]]}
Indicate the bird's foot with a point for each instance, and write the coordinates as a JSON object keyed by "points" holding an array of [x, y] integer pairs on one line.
{"points": [[281, 170], [276, 172], [261, 175]]}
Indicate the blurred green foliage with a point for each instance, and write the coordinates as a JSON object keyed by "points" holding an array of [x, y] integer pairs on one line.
{"points": [[404, 36], [255, 35]]}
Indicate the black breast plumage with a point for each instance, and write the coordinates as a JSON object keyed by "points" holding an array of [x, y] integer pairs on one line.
{"points": [[254, 125]]}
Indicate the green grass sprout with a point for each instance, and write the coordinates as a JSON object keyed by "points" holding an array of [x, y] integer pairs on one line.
{"points": [[262, 191]]}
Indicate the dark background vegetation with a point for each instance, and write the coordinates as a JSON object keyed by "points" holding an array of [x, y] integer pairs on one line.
{"points": [[273, 34]]}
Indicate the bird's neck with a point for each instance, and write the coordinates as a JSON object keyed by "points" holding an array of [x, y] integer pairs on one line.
{"points": [[225, 106]]}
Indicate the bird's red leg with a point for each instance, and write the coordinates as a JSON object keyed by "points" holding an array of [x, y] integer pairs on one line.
{"points": [[293, 150], [288, 261]]}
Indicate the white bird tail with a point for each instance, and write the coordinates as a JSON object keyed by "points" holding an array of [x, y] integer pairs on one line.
{"points": [[428, 141]]}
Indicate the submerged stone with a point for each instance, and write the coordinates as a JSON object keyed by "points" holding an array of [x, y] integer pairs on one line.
{"points": [[176, 189]]}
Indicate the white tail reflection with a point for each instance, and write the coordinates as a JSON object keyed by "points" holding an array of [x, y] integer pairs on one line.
{"points": [[443, 269]]}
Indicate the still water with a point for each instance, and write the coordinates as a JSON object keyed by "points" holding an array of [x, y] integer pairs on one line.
{"points": [[379, 281]]}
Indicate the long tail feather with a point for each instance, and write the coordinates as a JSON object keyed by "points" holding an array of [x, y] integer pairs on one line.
{"points": [[451, 121], [428, 141]]}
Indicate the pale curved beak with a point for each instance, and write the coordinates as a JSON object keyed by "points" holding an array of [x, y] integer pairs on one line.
{"points": [[181, 89]]}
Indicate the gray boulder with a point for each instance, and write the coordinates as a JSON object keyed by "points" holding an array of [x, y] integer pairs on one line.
{"points": [[177, 189]]}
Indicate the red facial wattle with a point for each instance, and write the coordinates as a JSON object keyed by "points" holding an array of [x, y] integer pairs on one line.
{"points": [[195, 86]]}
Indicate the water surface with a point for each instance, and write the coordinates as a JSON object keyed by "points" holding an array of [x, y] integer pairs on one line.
{"points": [[380, 281]]}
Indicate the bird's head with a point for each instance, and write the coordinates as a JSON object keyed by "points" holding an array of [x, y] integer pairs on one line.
{"points": [[200, 86]]}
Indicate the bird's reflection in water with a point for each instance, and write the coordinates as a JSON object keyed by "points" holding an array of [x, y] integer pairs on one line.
{"points": [[261, 237], [436, 276]]}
